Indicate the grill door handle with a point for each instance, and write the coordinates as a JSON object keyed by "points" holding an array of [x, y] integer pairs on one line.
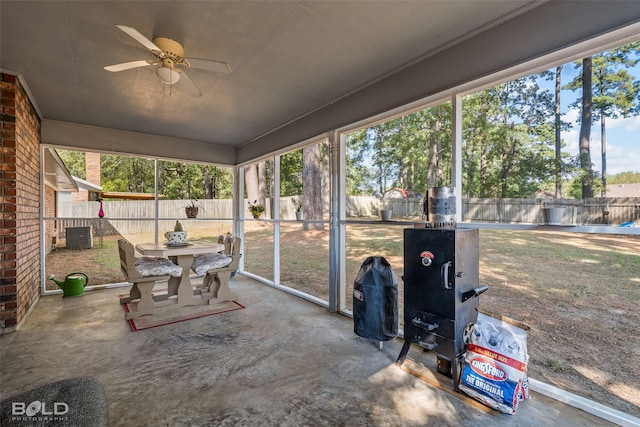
{"points": [[444, 270], [424, 325]]}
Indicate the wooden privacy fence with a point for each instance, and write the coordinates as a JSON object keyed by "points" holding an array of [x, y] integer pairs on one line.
{"points": [[131, 216], [613, 211], [138, 216]]}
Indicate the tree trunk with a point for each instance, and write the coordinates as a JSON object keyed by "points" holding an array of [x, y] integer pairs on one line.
{"points": [[251, 183], [208, 183], [484, 166], [311, 188], [382, 172], [325, 150], [272, 190], [434, 171], [603, 139], [262, 183], [585, 130], [558, 163]]}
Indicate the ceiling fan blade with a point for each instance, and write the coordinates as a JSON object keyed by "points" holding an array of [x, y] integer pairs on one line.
{"points": [[188, 85], [135, 34], [209, 65], [128, 65]]}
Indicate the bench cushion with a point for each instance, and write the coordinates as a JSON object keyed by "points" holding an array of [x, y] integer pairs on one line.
{"points": [[204, 262], [149, 266]]}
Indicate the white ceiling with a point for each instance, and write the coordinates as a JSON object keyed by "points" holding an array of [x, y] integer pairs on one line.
{"points": [[288, 58]]}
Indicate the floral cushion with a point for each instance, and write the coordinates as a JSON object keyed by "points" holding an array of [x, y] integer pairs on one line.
{"points": [[202, 263], [149, 266]]}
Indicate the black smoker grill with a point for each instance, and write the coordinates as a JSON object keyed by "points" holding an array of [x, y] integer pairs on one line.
{"points": [[441, 276]]}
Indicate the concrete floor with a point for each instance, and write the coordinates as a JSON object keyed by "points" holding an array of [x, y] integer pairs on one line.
{"points": [[281, 361]]}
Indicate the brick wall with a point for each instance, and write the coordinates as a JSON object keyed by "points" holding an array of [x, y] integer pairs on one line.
{"points": [[19, 203], [92, 167], [50, 210]]}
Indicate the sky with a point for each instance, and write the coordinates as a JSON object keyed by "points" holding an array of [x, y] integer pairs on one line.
{"points": [[623, 143]]}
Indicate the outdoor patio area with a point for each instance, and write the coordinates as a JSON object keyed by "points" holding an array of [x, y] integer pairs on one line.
{"points": [[280, 361]]}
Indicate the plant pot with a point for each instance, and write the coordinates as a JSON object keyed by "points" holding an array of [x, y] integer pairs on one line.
{"points": [[299, 215], [385, 214], [191, 211], [256, 216]]}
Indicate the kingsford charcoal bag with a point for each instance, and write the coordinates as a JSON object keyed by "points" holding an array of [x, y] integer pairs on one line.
{"points": [[495, 364]]}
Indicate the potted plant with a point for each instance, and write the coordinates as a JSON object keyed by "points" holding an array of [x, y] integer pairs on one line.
{"points": [[192, 208], [256, 209], [298, 211]]}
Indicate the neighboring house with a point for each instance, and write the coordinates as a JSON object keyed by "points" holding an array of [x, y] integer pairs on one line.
{"points": [[541, 194], [623, 190], [401, 193], [86, 191]]}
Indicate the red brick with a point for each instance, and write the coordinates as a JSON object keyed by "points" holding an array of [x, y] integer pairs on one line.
{"points": [[7, 289]]}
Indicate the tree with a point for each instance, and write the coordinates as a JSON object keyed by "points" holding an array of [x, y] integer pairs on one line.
{"points": [[508, 134], [625, 178], [615, 91], [251, 183], [218, 182], [126, 174], [325, 160], [74, 161], [608, 90], [558, 140], [262, 184], [408, 152], [291, 174], [359, 175], [422, 148], [311, 187]]}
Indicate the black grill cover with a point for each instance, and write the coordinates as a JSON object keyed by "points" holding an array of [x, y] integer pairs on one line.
{"points": [[375, 300]]}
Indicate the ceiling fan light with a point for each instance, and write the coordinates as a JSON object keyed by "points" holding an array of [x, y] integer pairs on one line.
{"points": [[168, 76]]}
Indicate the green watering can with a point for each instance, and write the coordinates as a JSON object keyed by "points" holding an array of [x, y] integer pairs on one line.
{"points": [[73, 284]]}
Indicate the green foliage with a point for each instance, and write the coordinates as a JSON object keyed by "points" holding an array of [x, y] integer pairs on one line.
{"points": [[104, 255], [576, 184], [360, 177], [176, 180], [218, 182], [179, 180], [405, 152], [556, 366], [291, 174], [624, 178], [615, 92], [509, 145], [74, 161], [126, 174]]}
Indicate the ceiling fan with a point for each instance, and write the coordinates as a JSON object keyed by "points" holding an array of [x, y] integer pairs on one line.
{"points": [[169, 54]]}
